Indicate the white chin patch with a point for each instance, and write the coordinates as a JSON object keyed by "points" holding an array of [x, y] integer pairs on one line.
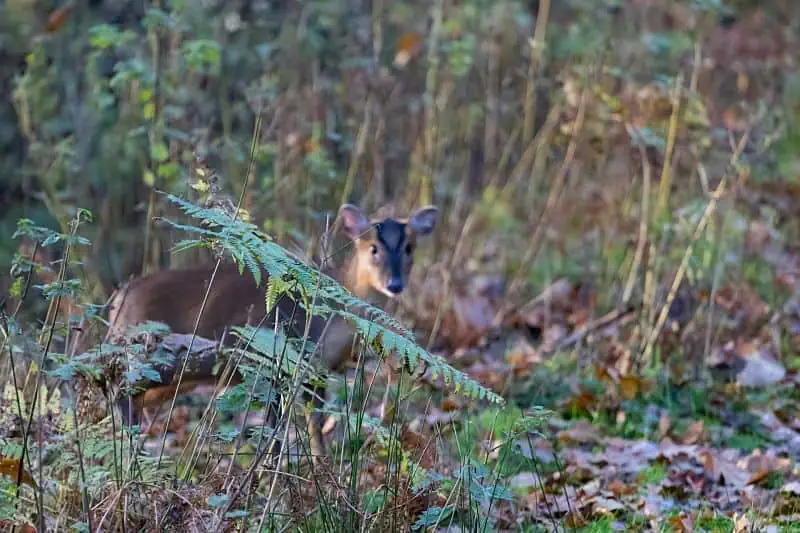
{"points": [[389, 293]]}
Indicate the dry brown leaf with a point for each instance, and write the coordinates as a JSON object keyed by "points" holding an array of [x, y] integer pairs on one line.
{"points": [[605, 373], [11, 468], [769, 462], [24, 528], [619, 488], [467, 321], [724, 471], [626, 456], [423, 446], [408, 46], [695, 433], [607, 505], [734, 119], [664, 425], [630, 387], [584, 401], [449, 403], [682, 523], [575, 520], [522, 357], [671, 451], [743, 303], [310, 146], [741, 524], [582, 432], [59, 17], [759, 476]]}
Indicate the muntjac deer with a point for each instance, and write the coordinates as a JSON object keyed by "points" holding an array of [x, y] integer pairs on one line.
{"points": [[377, 269]]}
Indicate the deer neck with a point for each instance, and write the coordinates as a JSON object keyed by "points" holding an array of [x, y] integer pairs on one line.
{"points": [[347, 274]]}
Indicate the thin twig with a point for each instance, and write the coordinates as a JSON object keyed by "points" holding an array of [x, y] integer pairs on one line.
{"points": [[552, 198]]}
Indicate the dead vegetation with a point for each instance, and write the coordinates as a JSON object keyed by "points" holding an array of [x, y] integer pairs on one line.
{"points": [[618, 245]]}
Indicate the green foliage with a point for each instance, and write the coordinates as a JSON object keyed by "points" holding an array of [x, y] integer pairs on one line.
{"points": [[102, 114], [202, 54], [433, 516], [255, 250], [105, 36]]}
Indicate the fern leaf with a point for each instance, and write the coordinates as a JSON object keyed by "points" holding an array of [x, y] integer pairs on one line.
{"points": [[255, 250]]}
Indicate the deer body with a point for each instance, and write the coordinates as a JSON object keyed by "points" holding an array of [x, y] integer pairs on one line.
{"points": [[377, 269]]}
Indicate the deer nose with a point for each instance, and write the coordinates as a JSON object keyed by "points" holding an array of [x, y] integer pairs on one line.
{"points": [[395, 285]]}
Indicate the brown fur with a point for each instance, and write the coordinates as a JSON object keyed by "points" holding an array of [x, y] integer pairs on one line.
{"points": [[175, 298]]}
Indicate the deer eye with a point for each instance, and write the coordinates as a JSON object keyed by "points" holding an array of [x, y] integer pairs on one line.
{"points": [[373, 249]]}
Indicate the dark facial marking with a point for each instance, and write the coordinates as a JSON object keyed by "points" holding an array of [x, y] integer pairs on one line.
{"points": [[392, 235]]}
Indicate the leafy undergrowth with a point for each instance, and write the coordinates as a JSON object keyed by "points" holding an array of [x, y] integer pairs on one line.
{"points": [[617, 258]]}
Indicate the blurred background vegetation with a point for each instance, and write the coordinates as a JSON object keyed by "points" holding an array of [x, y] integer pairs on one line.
{"points": [[576, 140], [409, 102]]}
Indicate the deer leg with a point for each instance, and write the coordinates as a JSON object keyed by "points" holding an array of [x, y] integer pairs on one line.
{"points": [[129, 408], [314, 419]]}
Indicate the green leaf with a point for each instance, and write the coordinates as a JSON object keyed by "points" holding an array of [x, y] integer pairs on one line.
{"points": [[148, 178], [432, 516], [169, 171], [256, 251], [159, 152], [149, 111]]}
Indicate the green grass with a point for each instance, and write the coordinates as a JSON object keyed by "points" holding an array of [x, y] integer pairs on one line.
{"points": [[653, 474]]}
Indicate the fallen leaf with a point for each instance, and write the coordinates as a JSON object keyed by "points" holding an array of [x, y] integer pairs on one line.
{"points": [[664, 425], [522, 357], [59, 17], [607, 505], [582, 432], [408, 45], [760, 370], [741, 524], [8, 525], [630, 387], [11, 467], [758, 476], [466, 320], [575, 520], [723, 471], [682, 523], [671, 451], [618, 488], [695, 433], [656, 505], [450, 403], [792, 488], [584, 401], [424, 449], [758, 462]]}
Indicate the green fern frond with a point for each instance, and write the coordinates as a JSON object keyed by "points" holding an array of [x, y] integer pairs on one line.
{"points": [[276, 286], [385, 340], [255, 250]]}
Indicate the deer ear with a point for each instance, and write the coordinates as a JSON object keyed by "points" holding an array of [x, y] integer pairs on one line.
{"points": [[423, 220], [354, 221]]}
